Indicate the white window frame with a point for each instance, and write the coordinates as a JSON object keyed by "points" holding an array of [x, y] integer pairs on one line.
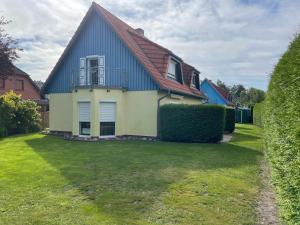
{"points": [[171, 75]]}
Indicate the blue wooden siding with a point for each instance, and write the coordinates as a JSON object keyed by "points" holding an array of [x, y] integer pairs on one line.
{"points": [[212, 95], [98, 38]]}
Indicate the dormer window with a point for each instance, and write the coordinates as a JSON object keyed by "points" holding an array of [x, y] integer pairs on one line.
{"points": [[193, 83], [172, 69]]}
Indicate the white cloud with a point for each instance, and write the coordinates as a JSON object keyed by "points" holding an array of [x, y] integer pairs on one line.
{"points": [[231, 40]]}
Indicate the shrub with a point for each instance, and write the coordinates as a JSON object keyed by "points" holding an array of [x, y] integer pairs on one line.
{"points": [[229, 120], [257, 114], [282, 128], [192, 123], [17, 115]]}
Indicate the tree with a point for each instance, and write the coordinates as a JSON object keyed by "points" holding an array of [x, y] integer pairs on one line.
{"points": [[241, 96], [256, 95], [8, 50], [223, 86]]}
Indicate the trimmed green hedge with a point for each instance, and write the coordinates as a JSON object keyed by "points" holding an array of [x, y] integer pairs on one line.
{"points": [[229, 120], [257, 114], [282, 131], [192, 123]]}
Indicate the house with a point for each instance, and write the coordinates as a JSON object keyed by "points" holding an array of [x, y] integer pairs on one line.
{"points": [[215, 94], [21, 83], [111, 80]]}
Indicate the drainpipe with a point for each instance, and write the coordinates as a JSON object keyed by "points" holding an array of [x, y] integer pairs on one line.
{"points": [[158, 112]]}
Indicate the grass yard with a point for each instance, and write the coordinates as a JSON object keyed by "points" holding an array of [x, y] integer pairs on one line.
{"points": [[47, 180]]}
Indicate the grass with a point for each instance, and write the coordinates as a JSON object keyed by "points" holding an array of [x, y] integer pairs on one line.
{"points": [[47, 180]]}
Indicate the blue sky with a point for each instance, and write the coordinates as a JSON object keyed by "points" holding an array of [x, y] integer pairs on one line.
{"points": [[236, 41]]}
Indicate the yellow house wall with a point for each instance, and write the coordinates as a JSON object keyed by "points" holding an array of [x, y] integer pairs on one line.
{"points": [[136, 111], [178, 99], [60, 112]]}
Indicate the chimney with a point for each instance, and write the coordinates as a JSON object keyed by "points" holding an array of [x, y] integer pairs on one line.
{"points": [[140, 31]]}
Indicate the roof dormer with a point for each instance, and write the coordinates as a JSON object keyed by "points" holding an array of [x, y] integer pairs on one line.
{"points": [[174, 70]]}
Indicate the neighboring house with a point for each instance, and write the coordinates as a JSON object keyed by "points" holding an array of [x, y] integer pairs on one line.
{"points": [[21, 83], [111, 79], [215, 94]]}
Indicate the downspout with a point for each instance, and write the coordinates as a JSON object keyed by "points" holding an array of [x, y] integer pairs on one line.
{"points": [[158, 112]]}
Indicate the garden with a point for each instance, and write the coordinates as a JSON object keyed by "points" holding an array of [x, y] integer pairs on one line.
{"points": [[48, 180]]}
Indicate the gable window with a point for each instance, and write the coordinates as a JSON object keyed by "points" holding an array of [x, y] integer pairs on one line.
{"points": [[19, 85], [2, 83], [92, 70]]}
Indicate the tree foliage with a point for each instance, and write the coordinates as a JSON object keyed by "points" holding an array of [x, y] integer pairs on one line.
{"points": [[8, 50], [17, 115], [241, 96]]}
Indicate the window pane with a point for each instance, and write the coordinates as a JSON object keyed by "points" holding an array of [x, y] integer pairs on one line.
{"points": [[84, 128], [94, 75], [93, 63], [107, 128], [172, 69]]}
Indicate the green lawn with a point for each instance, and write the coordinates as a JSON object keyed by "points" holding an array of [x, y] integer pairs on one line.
{"points": [[47, 180]]}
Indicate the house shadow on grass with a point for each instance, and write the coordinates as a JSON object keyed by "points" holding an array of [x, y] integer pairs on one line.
{"points": [[124, 178]]}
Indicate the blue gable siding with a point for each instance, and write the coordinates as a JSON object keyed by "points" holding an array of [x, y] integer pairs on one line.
{"points": [[212, 95], [98, 38]]}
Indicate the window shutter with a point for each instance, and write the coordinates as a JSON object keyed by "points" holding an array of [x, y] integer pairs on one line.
{"points": [[84, 111], [82, 72], [101, 70], [107, 111]]}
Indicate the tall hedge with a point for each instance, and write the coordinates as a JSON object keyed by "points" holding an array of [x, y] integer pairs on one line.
{"points": [[192, 123], [282, 131], [257, 114], [229, 120], [17, 115]]}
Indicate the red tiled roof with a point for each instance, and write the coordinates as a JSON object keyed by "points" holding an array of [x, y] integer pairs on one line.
{"points": [[153, 57]]}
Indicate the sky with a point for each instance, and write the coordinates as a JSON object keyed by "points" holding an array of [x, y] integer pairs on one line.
{"points": [[236, 41]]}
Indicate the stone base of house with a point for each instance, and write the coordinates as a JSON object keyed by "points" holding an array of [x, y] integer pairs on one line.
{"points": [[68, 136]]}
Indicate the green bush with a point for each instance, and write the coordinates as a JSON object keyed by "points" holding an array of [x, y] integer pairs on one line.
{"points": [[282, 128], [17, 115], [192, 123], [257, 114], [229, 120]]}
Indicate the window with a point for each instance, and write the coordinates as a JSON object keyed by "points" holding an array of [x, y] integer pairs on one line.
{"points": [[92, 70], [193, 84], [85, 128], [107, 128], [2, 83], [172, 70], [107, 118], [84, 118], [19, 85]]}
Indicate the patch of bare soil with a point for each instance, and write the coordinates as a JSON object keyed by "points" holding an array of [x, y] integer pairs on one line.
{"points": [[267, 208]]}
